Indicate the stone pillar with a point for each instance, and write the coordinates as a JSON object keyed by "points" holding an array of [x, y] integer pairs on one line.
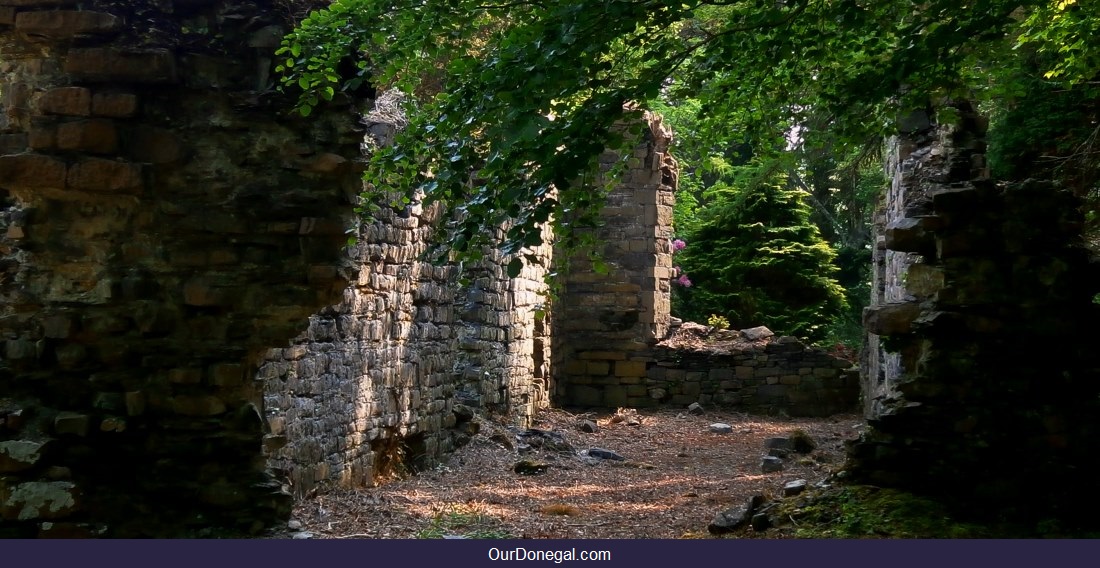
{"points": [[165, 220], [607, 321]]}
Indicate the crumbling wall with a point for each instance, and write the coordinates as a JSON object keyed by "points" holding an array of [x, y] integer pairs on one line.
{"points": [[385, 380], [978, 382], [625, 307], [165, 221]]}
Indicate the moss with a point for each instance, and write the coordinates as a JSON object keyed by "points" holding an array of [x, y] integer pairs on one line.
{"points": [[861, 511]]}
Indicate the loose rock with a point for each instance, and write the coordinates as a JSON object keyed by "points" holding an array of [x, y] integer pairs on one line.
{"points": [[771, 464], [721, 428]]}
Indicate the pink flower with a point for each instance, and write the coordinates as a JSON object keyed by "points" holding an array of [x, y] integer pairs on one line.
{"points": [[678, 244], [684, 281], [676, 270]]}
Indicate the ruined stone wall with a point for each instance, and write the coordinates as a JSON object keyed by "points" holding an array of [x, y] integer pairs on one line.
{"points": [[165, 221], [384, 380], [624, 309], [749, 370], [975, 282]]}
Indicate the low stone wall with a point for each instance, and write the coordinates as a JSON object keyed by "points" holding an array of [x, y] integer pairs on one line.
{"points": [[750, 370]]}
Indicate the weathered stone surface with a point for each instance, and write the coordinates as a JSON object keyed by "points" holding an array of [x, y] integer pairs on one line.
{"points": [[114, 105], [111, 360], [155, 146], [38, 500], [72, 423], [910, 235], [891, 319], [720, 428], [95, 136], [66, 23], [32, 171], [71, 101], [108, 65], [106, 176], [19, 455]]}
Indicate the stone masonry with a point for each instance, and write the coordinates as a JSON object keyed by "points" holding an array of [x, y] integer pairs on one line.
{"points": [[163, 221], [186, 337], [976, 382]]}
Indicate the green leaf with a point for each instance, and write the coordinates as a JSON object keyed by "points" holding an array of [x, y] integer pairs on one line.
{"points": [[515, 267]]}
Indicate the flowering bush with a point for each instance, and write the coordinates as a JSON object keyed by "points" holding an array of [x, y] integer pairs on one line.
{"points": [[677, 272]]}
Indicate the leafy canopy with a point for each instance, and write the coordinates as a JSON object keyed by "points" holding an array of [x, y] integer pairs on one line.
{"points": [[514, 100]]}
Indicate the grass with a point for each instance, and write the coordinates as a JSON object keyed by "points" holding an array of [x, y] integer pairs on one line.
{"points": [[464, 520]]}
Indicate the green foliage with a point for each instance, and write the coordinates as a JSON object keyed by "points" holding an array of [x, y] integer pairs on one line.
{"points": [[717, 321], [466, 521], [527, 94], [756, 259], [1064, 32]]}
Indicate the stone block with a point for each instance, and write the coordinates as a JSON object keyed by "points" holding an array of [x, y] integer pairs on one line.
{"points": [[891, 319], [597, 368], [630, 368], [114, 105], [102, 64], [155, 146], [227, 374], [66, 23], [14, 143], [197, 405], [200, 292], [97, 136], [7, 15], [109, 176], [68, 101], [135, 403], [603, 355], [71, 423], [185, 376], [32, 171]]}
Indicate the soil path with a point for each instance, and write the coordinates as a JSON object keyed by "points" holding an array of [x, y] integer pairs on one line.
{"points": [[676, 476]]}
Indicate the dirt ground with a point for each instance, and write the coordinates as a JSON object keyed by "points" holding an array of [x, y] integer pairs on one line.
{"points": [[675, 477]]}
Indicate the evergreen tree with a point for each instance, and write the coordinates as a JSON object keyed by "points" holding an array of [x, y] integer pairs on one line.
{"points": [[755, 258]]}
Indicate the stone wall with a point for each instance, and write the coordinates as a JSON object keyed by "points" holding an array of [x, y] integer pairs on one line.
{"points": [[615, 343], [977, 380], [384, 380], [165, 221], [625, 308], [749, 370]]}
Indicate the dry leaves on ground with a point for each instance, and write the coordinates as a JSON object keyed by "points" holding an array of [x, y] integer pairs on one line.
{"points": [[676, 476]]}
